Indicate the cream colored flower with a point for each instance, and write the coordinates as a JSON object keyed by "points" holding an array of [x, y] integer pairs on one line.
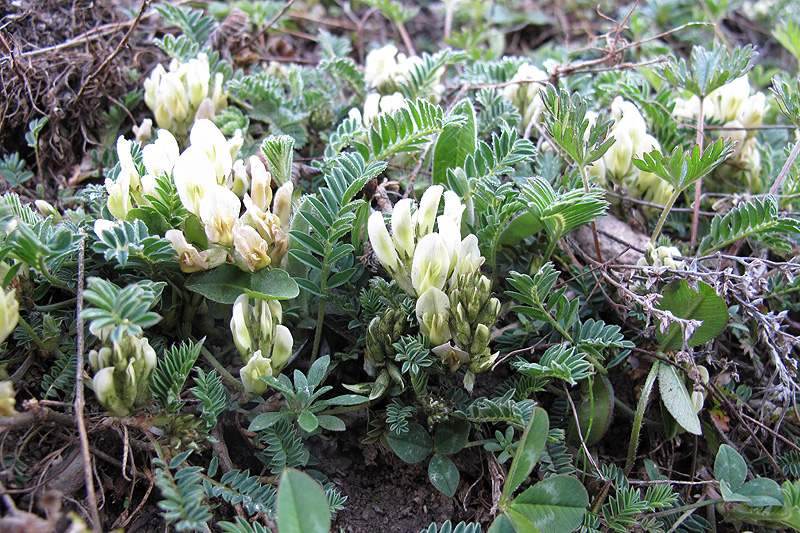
{"points": [[161, 155], [469, 258], [7, 398], [261, 184], [119, 196], [193, 175], [206, 136], [252, 248], [250, 374], [239, 326], [382, 243], [197, 74], [219, 212], [432, 311], [283, 204], [190, 259], [431, 264], [428, 207], [403, 230], [281, 346]]}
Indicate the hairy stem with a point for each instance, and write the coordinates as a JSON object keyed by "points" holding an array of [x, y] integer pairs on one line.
{"points": [[698, 186], [639, 417]]}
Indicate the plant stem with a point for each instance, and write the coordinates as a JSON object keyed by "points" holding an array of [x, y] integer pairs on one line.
{"points": [[663, 216], [698, 186], [45, 272], [683, 508], [637, 420], [227, 376], [585, 180], [31, 333], [323, 285], [785, 170]]}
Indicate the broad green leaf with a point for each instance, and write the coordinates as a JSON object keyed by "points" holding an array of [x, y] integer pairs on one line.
{"points": [[265, 420], [227, 282], [730, 466], [530, 447], [331, 423], [596, 410], [677, 400], [451, 436], [686, 303], [443, 474], [555, 505], [455, 143], [308, 421], [521, 523], [762, 492], [501, 524], [301, 505], [412, 446]]}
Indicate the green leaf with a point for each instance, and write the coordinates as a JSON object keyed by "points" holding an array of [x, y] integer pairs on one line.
{"points": [[686, 303], [730, 466], [530, 447], [301, 506], [602, 398], [443, 474], [555, 505], [227, 282], [412, 446], [265, 420], [677, 400], [308, 421], [762, 492], [451, 436], [331, 423], [455, 143], [502, 524]]}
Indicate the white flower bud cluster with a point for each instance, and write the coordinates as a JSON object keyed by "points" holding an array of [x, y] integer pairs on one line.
{"points": [[430, 265], [733, 107], [184, 93], [122, 372], [661, 257], [526, 95], [209, 183], [257, 330], [384, 69], [630, 140]]}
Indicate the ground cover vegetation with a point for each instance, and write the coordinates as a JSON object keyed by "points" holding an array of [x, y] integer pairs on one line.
{"points": [[450, 266]]}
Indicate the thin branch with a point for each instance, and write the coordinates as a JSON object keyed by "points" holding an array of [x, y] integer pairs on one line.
{"points": [[80, 403]]}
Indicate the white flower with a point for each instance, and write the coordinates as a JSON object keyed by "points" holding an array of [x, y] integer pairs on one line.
{"points": [[451, 235], [431, 264], [7, 398], [241, 181], [106, 392], [126, 164], [206, 136], [250, 374], [403, 230], [261, 184], [193, 175], [433, 314], [252, 248], [382, 243], [161, 155], [428, 206], [380, 65], [453, 208], [171, 102], [281, 346], [283, 204], [190, 259], [219, 212], [119, 196], [197, 74], [469, 257], [239, 326], [9, 313]]}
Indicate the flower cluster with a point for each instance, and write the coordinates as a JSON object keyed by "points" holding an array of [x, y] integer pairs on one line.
{"points": [[209, 183], [661, 257], [122, 372], [257, 330], [630, 140], [525, 95], [733, 107], [184, 93], [442, 271]]}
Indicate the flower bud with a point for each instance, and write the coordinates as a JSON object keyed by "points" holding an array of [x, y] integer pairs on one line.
{"points": [[403, 230], [428, 206], [261, 184], [433, 315], [251, 373], [382, 243], [47, 210], [453, 208], [7, 398], [283, 204], [106, 392], [431, 264], [281, 347], [241, 334], [9, 313], [190, 259], [480, 340], [251, 248]]}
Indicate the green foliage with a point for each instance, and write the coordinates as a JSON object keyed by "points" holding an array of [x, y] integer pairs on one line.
{"points": [[193, 23], [279, 151], [171, 373], [448, 527], [213, 396], [710, 69], [302, 506], [59, 382], [227, 282], [566, 125], [685, 303], [559, 361], [788, 99], [240, 488], [183, 504], [130, 244], [503, 409], [283, 447], [303, 405], [398, 415], [12, 168], [788, 34], [757, 217], [121, 311], [421, 80]]}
